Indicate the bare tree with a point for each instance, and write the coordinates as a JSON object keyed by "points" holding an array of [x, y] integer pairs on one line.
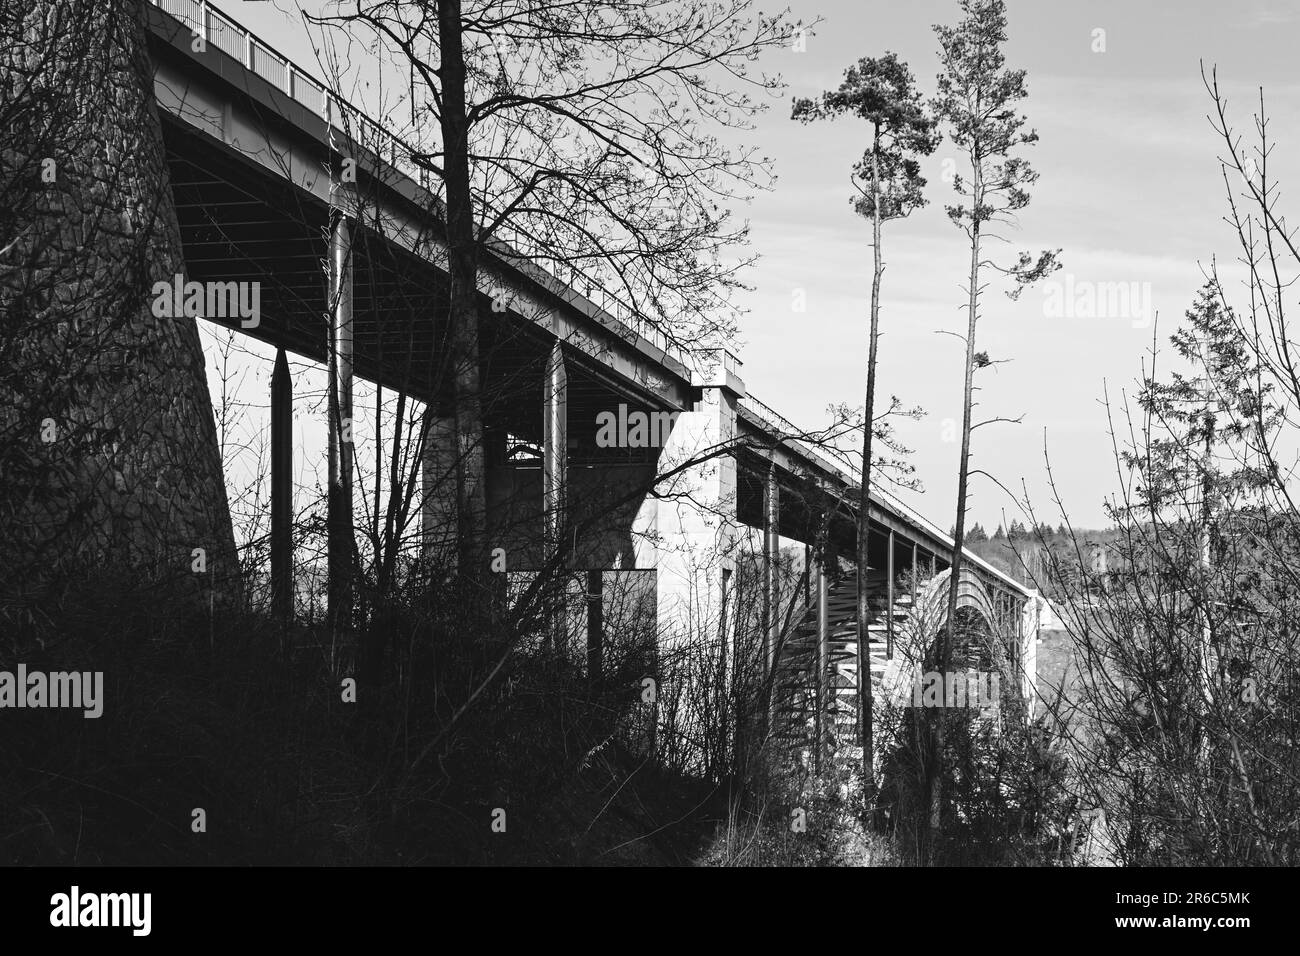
{"points": [[581, 133], [1188, 688]]}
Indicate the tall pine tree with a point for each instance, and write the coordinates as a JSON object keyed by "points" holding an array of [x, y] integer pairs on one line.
{"points": [[882, 92], [977, 101]]}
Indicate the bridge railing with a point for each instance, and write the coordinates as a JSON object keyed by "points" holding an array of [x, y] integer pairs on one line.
{"points": [[783, 428], [228, 35], [831, 459]]}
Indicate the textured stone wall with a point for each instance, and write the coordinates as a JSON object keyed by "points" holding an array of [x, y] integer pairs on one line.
{"points": [[108, 448]]}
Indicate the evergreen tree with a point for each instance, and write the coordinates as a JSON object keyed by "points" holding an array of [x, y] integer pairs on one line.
{"points": [[977, 99], [881, 91]]}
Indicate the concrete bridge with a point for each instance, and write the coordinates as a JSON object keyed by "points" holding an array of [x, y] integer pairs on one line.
{"points": [[272, 174]]}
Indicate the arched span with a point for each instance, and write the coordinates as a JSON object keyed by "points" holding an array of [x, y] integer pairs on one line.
{"points": [[927, 617], [931, 610]]}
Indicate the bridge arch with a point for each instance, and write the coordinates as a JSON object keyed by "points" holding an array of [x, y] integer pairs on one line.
{"points": [[931, 610], [927, 617], [930, 613]]}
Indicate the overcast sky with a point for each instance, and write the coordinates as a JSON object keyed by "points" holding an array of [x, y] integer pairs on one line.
{"points": [[1130, 191]]}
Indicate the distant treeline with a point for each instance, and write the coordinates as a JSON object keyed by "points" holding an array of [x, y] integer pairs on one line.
{"points": [[1025, 552]]}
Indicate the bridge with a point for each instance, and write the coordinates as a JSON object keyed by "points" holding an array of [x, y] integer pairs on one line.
{"points": [[273, 174]]}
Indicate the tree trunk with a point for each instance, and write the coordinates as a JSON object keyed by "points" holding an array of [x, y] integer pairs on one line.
{"points": [[865, 701], [107, 438], [462, 243], [934, 776]]}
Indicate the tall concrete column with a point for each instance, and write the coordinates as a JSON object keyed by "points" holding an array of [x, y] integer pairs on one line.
{"points": [[554, 446], [438, 489], [889, 599], [554, 474], [1029, 631], [823, 655], [282, 489], [689, 531], [339, 514], [916, 572], [865, 708], [726, 664], [109, 455], [771, 565], [807, 575]]}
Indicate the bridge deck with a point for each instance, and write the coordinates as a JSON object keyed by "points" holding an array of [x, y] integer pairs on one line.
{"points": [[242, 121]]}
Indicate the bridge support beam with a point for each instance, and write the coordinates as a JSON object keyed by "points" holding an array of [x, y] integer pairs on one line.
{"points": [[438, 489], [339, 507], [889, 599], [916, 572], [823, 659], [771, 567], [688, 531], [1031, 617], [281, 490], [554, 492]]}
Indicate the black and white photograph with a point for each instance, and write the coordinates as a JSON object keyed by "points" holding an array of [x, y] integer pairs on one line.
{"points": [[627, 434]]}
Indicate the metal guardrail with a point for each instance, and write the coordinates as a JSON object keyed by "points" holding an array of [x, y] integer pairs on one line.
{"points": [[785, 427], [788, 431], [231, 37]]}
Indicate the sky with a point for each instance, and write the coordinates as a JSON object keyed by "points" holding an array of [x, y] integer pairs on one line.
{"points": [[1130, 191]]}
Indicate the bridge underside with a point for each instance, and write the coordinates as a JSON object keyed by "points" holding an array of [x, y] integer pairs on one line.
{"points": [[258, 200], [239, 224]]}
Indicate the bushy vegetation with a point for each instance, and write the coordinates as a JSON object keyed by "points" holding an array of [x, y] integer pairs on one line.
{"points": [[251, 725]]}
